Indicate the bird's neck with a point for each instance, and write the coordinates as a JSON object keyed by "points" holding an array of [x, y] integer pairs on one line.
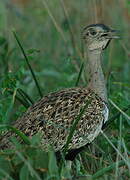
{"points": [[96, 76]]}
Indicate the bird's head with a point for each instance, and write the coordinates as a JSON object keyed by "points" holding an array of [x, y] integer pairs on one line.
{"points": [[98, 36]]}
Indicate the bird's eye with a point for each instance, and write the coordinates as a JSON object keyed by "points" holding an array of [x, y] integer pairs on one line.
{"points": [[87, 34], [93, 32]]}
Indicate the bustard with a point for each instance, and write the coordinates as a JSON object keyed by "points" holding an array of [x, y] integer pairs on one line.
{"points": [[54, 114]]}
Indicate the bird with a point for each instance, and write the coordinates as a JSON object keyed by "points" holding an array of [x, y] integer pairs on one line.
{"points": [[54, 114]]}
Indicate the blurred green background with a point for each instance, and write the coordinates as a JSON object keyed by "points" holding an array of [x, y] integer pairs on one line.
{"points": [[50, 32]]}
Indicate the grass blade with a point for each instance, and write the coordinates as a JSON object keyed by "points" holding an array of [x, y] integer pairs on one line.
{"points": [[121, 111], [2, 172], [52, 166], [27, 61], [28, 164], [123, 158], [74, 126], [23, 102], [16, 131], [58, 28], [117, 115], [107, 169], [23, 97], [69, 24], [24, 94], [79, 75]]}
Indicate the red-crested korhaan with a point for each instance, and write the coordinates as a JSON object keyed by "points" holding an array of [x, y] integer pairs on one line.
{"points": [[55, 113]]}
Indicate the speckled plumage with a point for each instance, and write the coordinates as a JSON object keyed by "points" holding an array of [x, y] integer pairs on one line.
{"points": [[53, 115]]}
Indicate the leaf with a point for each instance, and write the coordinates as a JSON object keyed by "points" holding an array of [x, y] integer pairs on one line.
{"points": [[41, 161], [24, 173], [53, 168]]}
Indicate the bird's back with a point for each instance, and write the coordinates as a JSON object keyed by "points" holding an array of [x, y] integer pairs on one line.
{"points": [[54, 115]]}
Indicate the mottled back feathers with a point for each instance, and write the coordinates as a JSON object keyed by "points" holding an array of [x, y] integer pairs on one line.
{"points": [[54, 114]]}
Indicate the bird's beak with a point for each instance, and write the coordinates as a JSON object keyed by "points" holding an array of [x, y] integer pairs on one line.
{"points": [[113, 34]]}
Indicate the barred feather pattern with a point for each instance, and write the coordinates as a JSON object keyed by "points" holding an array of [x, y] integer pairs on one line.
{"points": [[54, 115]]}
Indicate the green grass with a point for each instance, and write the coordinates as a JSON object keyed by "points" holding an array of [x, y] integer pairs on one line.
{"points": [[52, 58]]}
